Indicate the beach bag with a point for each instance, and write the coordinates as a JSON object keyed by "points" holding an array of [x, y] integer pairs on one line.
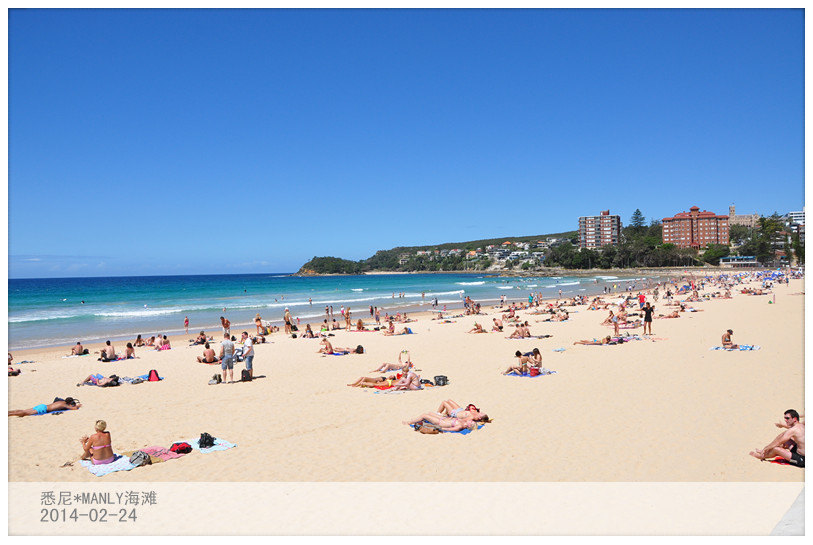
{"points": [[359, 349], [206, 440], [441, 380], [181, 448], [153, 376], [294, 328], [426, 382], [245, 376], [533, 371], [140, 458], [293, 335], [425, 428]]}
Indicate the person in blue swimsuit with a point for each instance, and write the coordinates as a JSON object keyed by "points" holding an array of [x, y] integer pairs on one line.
{"points": [[69, 404]]}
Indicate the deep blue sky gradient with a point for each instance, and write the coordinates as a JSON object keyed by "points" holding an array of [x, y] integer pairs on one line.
{"points": [[231, 141]]}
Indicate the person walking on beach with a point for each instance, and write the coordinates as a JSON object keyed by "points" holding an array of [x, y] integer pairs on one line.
{"points": [[186, 324], [227, 357], [226, 325], [648, 310], [377, 316], [248, 353], [790, 444]]}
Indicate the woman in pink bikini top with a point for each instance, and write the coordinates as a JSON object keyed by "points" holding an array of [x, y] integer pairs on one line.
{"points": [[97, 448]]}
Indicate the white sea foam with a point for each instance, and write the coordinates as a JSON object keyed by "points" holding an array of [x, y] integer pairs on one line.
{"points": [[470, 283], [568, 284], [139, 313], [40, 317], [607, 277], [356, 289], [504, 287], [531, 285]]}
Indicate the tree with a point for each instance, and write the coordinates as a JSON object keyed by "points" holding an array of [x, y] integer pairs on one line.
{"points": [[637, 219], [714, 252], [739, 234]]}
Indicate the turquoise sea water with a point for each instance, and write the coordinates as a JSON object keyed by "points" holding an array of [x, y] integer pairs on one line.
{"points": [[49, 312]]}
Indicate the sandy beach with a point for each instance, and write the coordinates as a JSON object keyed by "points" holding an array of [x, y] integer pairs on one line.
{"points": [[664, 410]]}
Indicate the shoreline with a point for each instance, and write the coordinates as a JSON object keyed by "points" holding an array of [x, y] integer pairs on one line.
{"points": [[176, 333]]}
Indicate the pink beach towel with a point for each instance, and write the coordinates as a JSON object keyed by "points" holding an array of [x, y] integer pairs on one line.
{"points": [[161, 452]]}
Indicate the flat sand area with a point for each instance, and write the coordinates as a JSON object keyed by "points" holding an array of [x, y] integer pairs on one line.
{"points": [[668, 410]]}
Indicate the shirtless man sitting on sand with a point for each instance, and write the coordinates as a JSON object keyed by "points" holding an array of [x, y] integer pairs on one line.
{"points": [[208, 355], [77, 350], [497, 325], [790, 444]]}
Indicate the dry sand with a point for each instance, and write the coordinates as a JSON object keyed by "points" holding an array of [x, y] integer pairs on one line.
{"points": [[669, 410]]}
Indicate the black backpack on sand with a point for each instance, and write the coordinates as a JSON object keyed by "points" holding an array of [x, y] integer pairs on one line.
{"points": [[245, 376]]}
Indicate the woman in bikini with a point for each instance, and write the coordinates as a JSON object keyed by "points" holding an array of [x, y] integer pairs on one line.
{"points": [[258, 321], [520, 369], [370, 382], [400, 366], [446, 423], [477, 329], [470, 412], [410, 381], [605, 340], [98, 447], [129, 352], [139, 341]]}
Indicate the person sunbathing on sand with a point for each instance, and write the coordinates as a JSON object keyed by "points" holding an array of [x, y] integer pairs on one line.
{"points": [[371, 382], [95, 380], [395, 366], [605, 340], [498, 325], [360, 325], [518, 332], [78, 349], [790, 444], [452, 409], [208, 355], [727, 339], [446, 423], [326, 349], [12, 372], [410, 381], [138, 341], [109, 353], [98, 447], [69, 404], [129, 352], [404, 331], [522, 368], [308, 334], [150, 341], [477, 329], [200, 339]]}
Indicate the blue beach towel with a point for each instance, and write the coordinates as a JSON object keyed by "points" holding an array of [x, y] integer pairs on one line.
{"points": [[120, 464], [742, 347], [220, 444], [558, 349], [465, 431]]}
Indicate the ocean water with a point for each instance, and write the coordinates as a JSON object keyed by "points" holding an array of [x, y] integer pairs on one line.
{"points": [[58, 311]]}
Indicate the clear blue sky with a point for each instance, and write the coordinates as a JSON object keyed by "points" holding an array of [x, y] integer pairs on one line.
{"points": [[218, 141]]}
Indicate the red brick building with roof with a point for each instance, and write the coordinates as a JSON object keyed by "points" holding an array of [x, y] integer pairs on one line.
{"points": [[695, 229]]}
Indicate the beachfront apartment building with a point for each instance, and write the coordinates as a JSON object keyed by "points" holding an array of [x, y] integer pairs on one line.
{"points": [[598, 231], [695, 229], [749, 220], [797, 217]]}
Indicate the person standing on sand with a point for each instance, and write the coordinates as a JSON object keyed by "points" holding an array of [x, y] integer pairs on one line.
{"points": [[186, 324], [227, 358], [248, 353], [287, 319], [377, 316], [648, 310], [226, 325], [347, 318], [790, 444]]}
